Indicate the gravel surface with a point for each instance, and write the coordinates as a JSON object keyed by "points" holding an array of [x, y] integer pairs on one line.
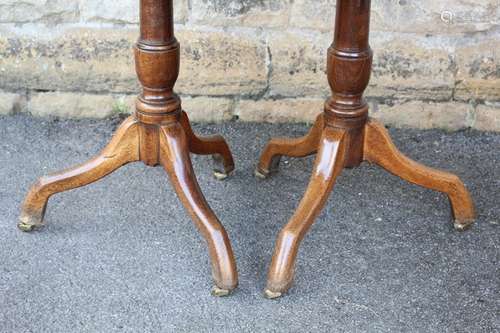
{"points": [[121, 255]]}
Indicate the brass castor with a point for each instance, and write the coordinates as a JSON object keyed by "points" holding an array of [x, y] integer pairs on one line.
{"points": [[463, 225], [221, 175], [271, 294], [221, 169], [219, 292], [28, 227], [261, 174]]}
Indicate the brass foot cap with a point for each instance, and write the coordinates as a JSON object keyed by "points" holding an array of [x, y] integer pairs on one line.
{"points": [[28, 227], [463, 225], [271, 294], [219, 292], [261, 174], [221, 175]]}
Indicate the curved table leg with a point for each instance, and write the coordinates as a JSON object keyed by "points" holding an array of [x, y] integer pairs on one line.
{"points": [[174, 157], [329, 163], [300, 147], [380, 149], [214, 145], [123, 149]]}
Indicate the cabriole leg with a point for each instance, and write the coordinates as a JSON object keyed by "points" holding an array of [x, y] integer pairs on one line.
{"points": [[174, 157], [214, 145], [278, 147], [329, 163], [380, 149], [123, 149]]}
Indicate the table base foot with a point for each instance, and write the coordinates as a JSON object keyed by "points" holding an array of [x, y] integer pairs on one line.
{"points": [[333, 155], [167, 145]]}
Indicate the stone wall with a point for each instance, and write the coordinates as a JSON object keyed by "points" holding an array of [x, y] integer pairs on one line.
{"points": [[436, 62]]}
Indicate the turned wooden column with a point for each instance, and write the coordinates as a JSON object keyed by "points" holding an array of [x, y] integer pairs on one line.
{"points": [[349, 66], [344, 136], [158, 134], [157, 59]]}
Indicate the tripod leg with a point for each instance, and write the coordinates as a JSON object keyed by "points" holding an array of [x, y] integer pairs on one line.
{"points": [[300, 147], [380, 149], [174, 156], [214, 145], [123, 149], [329, 163]]}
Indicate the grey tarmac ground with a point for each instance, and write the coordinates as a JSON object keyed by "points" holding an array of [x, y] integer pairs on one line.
{"points": [[121, 255]]}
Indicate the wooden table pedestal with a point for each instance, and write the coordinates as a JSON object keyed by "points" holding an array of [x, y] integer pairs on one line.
{"points": [[343, 137], [158, 134]]}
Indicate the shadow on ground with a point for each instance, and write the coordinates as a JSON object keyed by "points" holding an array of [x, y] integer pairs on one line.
{"points": [[122, 255]]}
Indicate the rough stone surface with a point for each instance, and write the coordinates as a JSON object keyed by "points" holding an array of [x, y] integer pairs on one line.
{"points": [[71, 105], [215, 63], [423, 17], [487, 118], [122, 255], [124, 12], [110, 12], [424, 115], [280, 111], [478, 73], [39, 11], [407, 67], [404, 67], [240, 50], [206, 109], [298, 64], [260, 13], [436, 17], [316, 15], [10, 103], [83, 60], [102, 61]]}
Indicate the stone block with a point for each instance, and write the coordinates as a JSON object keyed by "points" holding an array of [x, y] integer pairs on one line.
{"points": [[101, 60], [317, 15], [280, 111], [123, 12], [208, 109], [478, 75], [404, 67], [83, 60], [423, 17], [219, 64], [39, 11], [10, 103], [487, 118], [298, 65], [262, 13], [71, 105], [423, 115], [409, 67]]}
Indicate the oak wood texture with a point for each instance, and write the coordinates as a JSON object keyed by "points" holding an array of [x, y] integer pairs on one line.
{"points": [[344, 137], [158, 134]]}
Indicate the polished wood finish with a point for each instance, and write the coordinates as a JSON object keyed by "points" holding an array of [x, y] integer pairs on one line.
{"points": [[301, 147], [328, 165], [379, 149], [344, 137], [158, 134]]}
